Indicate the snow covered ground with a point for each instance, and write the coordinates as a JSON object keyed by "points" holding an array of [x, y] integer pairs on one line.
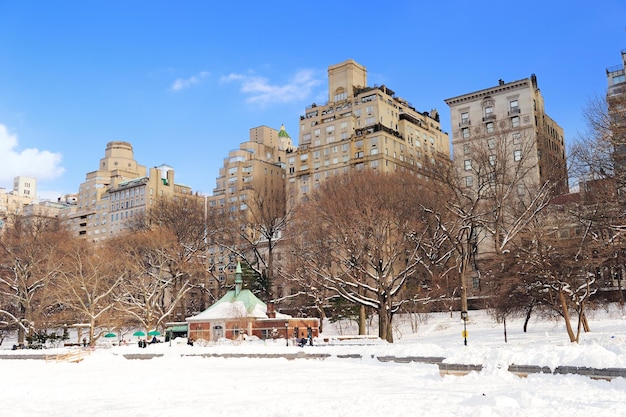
{"points": [[350, 381]]}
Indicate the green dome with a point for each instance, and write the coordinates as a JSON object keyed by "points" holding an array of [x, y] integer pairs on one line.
{"points": [[283, 133]]}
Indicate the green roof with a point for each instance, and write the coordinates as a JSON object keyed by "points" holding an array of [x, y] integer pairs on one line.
{"points": [[283, 133]]}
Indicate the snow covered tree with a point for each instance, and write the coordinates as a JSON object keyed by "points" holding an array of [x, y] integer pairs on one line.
{"points": [[156, 279], [361, 238], [86, 283], [491, 199], [29, 263]]}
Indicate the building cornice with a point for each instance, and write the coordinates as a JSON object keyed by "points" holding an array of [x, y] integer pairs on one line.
{"points": [[488, 92]]}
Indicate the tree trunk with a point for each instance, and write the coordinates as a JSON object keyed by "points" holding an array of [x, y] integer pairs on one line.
{"points": [[21, 332], [586, 327], [362, 320], [568, 324], [504, 323], [385, 330], [528, 313]]}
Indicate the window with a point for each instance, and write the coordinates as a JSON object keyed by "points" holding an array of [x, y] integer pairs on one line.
{"points": [[488, 112], [492, 160], [469, 181], [358, 154], [517, 138], [465, 118], [489, 127], [515, 121], [517, 155], [341, 96], [514, 106], [465, 132], [491, 143], [330, 129], [370, 120], [467, 164]]}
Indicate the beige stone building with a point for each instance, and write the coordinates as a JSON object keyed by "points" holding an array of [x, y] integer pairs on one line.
{"points": [[500, 133], [510, 116], [616, 99], [359, 127], [256, 168], [13, 202], [119, 192]]}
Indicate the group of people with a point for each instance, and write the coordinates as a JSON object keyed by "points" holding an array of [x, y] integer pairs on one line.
{"points": [[303, 341]]}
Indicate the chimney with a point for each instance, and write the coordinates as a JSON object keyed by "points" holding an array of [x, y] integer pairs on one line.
{"points": [[501, 81], [271, 313]]}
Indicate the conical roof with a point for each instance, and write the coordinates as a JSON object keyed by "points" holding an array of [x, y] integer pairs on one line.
{"points": [[283, 133]]}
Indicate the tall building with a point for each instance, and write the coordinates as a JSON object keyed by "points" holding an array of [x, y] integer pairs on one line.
{"points": [[509, 118], [359, 127], [616, 100], [13, 202], [256, 169], [119, 193], [503, 136], [25, 187]]}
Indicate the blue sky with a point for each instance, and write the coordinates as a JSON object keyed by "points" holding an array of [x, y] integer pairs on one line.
{"points": [[184, 81]]}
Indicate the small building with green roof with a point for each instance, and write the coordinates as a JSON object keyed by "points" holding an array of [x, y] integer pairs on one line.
{"points": [[240, 313]]}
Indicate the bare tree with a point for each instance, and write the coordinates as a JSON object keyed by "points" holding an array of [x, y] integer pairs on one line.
{"points": [[256, 229], [599, 166], [362, 237], [186, 221], [29, 262], [492, 198], [86, 283], [156, 282]]}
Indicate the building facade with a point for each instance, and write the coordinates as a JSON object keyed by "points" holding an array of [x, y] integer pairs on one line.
{"points": [[359, 127], [13, 202], [255, 170], [510, 116], [502, 138], [616, 100], [120, 193]]}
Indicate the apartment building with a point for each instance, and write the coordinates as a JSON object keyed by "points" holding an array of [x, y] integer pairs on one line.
{"points": [[503, 132], [13, 202], [360, 127], [508, 117], [119, 193], [616, 100], [254, 170]]}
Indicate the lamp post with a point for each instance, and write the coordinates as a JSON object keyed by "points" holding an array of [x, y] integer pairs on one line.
{"points": [[464, 318], [286, 333]]}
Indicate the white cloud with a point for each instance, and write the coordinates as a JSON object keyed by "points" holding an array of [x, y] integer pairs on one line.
{"points": [[184, 83], [260, 91], [43, 165]]}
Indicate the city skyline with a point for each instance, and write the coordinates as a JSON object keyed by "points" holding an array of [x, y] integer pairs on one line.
{"points": [[185, 85]]}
